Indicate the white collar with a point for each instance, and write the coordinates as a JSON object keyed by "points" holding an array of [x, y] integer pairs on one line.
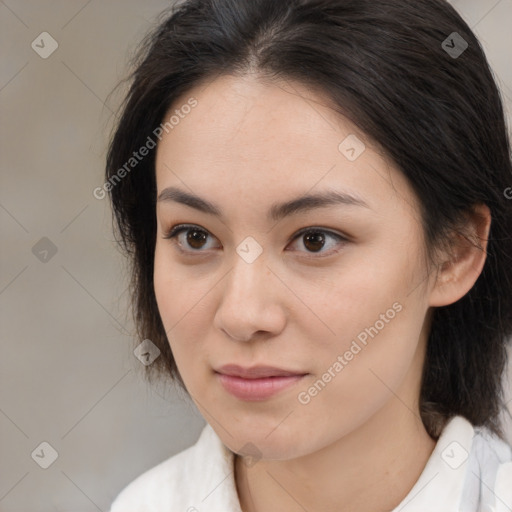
{"points": [[440, 485]]}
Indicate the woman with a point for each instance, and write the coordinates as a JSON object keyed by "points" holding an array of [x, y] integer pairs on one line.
{"points": [[313, 197]]}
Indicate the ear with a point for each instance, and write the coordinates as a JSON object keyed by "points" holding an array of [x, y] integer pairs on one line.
{"points": [[461, 267]]}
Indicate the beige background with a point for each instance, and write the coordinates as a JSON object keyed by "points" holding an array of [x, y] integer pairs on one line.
{"points": [[67, 373]]}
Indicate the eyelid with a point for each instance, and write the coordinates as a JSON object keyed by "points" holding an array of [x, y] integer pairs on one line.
{"points": [[178, 228], [341, 239], [318, 228]]}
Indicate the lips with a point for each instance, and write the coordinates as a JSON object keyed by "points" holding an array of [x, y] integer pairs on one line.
{"points": [[257, 383], [256, 372]]}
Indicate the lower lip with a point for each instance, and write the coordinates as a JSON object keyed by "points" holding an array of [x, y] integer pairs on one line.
{"points": [[256, 389]]}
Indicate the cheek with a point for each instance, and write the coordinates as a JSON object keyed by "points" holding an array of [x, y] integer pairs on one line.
{"points": [[375, 325], [347, 302], [178, 288], [178, 298], [346, 391], [166, 289]]}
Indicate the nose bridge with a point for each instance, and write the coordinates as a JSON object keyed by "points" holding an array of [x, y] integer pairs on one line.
{"points": [[246, 292], [249, 271], [246, 305]]}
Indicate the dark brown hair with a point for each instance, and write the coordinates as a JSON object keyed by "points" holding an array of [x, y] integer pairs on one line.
{"points": [[396, 69]]}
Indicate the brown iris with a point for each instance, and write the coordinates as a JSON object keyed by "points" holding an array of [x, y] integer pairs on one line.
{"points": [[316, 239], [196, 236]]}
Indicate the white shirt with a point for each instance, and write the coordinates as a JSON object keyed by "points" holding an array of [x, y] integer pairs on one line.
{"points": [[470, 470]]}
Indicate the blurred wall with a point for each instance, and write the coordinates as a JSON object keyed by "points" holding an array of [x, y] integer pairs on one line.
{"points": [[68, 376]]}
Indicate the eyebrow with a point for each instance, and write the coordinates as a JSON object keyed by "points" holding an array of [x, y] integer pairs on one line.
{"points": [[276, 212]]}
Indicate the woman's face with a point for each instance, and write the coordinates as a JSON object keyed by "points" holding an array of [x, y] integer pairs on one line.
{"points": [[341, 320]]}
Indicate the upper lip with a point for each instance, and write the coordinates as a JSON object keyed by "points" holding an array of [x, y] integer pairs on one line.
{"points": [[256, 372]]}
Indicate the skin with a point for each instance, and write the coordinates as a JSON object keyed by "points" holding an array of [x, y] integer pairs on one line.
{"points": [[360, 441]]}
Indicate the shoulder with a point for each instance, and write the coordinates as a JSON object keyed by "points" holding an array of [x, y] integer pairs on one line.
{"points": [[489, 472], [180, 482]]}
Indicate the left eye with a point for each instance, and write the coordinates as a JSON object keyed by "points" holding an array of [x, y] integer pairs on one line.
{"points": [[313, 239]]}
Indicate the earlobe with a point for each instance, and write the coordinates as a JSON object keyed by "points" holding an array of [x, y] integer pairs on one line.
{"points": [[462, 267]]}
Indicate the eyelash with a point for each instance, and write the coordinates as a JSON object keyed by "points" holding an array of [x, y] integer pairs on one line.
{"points": [[176, 230]]}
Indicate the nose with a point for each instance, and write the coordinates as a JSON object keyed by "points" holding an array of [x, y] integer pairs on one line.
{"points": [[251, 302]]}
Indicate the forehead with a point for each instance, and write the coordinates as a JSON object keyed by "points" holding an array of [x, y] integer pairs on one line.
{"points": [[251, 139]]}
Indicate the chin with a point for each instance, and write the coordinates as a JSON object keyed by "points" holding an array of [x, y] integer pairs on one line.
{"points": [[263, 440]]}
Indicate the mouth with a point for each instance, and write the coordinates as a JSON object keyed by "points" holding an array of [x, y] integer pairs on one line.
{"points": [[257, 383]]}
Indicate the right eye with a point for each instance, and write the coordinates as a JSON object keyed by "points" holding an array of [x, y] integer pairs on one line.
{"points": [[195, 237]]}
